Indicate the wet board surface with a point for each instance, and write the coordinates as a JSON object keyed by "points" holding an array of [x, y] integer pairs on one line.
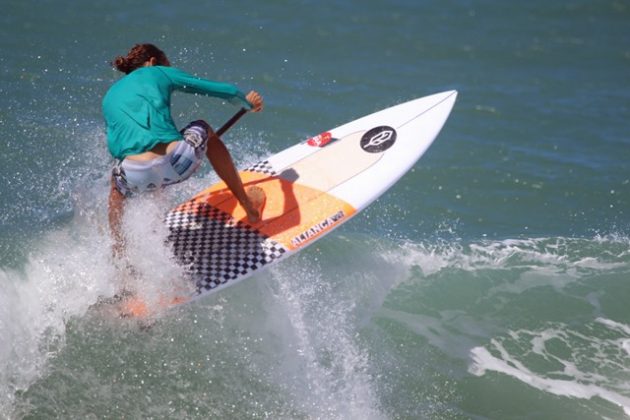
{"points": [[311, 189]]}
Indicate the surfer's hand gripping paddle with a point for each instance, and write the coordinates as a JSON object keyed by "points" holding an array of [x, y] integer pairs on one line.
{"points": [[255, 101]]}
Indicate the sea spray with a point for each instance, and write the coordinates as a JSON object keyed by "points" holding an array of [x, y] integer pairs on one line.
{"points": [[328, 371], [64, 275]]}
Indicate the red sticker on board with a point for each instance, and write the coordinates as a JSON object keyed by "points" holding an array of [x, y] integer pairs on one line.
{"points": [[320, 140]]}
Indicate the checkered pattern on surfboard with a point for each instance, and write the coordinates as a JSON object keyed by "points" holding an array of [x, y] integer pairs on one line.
{"points": [[215, 247], [263, 167]]}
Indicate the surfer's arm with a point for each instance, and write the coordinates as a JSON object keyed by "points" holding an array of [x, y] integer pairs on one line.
{"points": [[116, 206], [186, 82]]}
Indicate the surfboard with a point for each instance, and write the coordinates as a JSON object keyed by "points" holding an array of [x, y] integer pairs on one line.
{"points": [[311, 189]]}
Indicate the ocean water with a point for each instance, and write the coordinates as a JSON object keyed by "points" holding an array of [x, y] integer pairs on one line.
{"points": [[491, 282]]}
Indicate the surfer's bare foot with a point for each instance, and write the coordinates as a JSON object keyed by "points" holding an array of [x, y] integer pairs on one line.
{"points": [[133, 307], [257, 198]]}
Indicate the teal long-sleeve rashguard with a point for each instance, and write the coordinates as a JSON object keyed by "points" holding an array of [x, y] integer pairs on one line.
{"points": [[137, 108]]}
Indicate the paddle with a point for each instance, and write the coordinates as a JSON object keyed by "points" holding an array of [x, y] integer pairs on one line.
{"points": [[225, 127]]}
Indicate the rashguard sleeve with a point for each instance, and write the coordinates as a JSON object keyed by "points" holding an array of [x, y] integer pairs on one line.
{"points": [[186, 82]]}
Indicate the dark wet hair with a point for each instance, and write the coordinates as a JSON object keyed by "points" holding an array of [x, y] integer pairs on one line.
{"points": [[137, 56]]}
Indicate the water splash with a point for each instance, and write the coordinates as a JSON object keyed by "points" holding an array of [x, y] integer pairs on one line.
{"points": [[63, 277], [328, 373]]}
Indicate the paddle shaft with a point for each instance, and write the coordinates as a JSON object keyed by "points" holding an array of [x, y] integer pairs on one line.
{"points": [[225, 127]]}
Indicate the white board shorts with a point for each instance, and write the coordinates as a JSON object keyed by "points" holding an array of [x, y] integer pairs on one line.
{"points": [[132, 176]]}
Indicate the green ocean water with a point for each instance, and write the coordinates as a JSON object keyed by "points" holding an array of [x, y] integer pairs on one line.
{"points": [[491, 282]]}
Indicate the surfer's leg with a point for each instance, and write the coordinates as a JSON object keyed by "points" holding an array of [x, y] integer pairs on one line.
{"points": [[116, 204], [222, 162]]}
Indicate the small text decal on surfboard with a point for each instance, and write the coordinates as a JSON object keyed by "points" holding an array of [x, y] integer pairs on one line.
{"points": [[318, 228], [378, 139]]}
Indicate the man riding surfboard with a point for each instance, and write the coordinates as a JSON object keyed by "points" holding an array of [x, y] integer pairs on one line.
{"points": [[150, 151]]}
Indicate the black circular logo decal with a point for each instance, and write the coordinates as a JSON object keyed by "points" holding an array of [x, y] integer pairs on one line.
{"points": [[378, 139]]}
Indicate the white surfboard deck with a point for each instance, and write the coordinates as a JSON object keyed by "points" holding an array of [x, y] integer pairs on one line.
{"points": [[311, 190]]}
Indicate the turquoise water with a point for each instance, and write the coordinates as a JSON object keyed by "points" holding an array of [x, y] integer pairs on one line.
{"points": [[492, 282]]}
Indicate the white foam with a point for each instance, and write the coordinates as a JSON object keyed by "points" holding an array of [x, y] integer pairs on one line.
{"points": [[539, 262], [618, 326], [560, 253], [429, 259], [483, 361], [578, 383], [624, 343]]}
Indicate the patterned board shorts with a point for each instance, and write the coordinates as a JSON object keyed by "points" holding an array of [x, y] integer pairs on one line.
{"points": [[132, 176]]}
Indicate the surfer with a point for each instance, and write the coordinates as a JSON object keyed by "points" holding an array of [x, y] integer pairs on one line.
{"points": [[150, 152]]}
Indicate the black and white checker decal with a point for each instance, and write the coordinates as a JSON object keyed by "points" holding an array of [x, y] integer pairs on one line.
{"points": [[215, 247], [263, 167]]}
